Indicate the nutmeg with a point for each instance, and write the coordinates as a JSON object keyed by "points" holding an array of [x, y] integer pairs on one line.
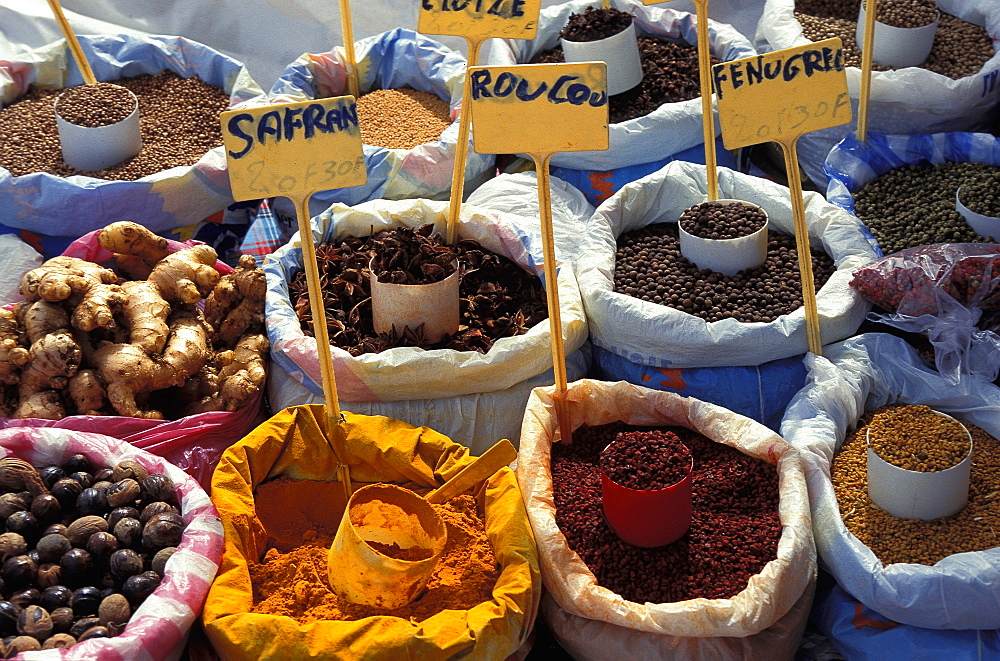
{"points": [[158, 487], [164, 529], [12, 544], [123, 492], [114, 610], [80, 530], [34, 621], [129, 469], [23, 644], [159, 562], [59, 641]]}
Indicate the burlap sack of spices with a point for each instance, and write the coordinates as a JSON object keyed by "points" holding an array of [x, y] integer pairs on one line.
{"points": [[293, 445], [763, 621]]}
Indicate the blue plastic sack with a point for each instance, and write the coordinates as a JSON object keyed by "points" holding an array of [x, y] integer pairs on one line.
{"points": [[861, 634], [961, 591], [851, 164], [394, 59], [674, 131], [760, 392], [49, 211]]}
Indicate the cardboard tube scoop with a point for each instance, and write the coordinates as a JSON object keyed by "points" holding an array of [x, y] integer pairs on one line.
{"points": [[726, 256], [897, 47], [96, 148], [434, 307], [619, 51]]}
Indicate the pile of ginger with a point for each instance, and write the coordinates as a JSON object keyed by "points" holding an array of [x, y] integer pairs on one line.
{"points": [[88, 342]]}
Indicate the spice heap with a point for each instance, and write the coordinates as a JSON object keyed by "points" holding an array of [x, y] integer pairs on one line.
{"points": [[646, 460], [918, 439], [981, 194], [497, 297], [178, 118], [649, 266], [718, 220], [411, 258], [915, 205], [734, 531], [670, 73], [85, 546], [960, 48], [100, 104], [892, 539], [89, 342], [401, 118], [294, 582], [594, 24]]}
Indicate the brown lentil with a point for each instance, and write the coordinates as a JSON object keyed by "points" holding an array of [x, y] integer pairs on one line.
{"points": [[401, 118], [918, 439], [718, 220], [646, 460], [892, 539], [100, 104], [178, 118], [960, 48], [914, 205], [649, 266], [734, 530], [905, 13]]}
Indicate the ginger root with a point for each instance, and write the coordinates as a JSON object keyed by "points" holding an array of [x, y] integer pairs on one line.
{"points": [[146, 312], [187, 346], [87, 392], [12, 355], [133, 239], [241, 375], [186, 275], [236, 305], [46, 405], [39, 318], [93, 289], [53, 359], [131, 374]]}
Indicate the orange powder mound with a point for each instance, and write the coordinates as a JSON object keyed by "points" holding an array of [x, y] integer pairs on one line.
{"points": [[294, 583]]}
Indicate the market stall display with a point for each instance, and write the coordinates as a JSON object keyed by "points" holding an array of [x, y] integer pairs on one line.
{"points": [[178, 180]]}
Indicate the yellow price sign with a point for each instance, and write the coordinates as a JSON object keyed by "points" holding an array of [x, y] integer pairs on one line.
{"points": [[782, 95], [539, 108], [294, 149], [480, 19]]}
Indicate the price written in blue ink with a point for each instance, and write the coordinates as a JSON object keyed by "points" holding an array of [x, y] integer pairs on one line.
{"points": [[294, 148], [507, 19], [782, 95], [539, 108]]}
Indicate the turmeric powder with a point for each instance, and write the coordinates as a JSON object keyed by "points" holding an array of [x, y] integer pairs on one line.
{"points": [[291, 578]]}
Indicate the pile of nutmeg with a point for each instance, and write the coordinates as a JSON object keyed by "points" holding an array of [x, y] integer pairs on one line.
{"points": [[83, 548]]}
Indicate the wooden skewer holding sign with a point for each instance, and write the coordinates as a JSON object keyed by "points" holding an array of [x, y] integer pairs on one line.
{"points": [[781, 96], [867, 53], [475, 22], [705, 71], [294, 150], [540, 109], [352, 63], [73, 43]]}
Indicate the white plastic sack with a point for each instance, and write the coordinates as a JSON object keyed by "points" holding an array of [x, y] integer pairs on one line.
{"points": [[616, 624], [438, 387], [650, 334], [904, 101], [391, 60], [671, 128], [165, 202], [18, 259], [961, 591], [160, 625]]}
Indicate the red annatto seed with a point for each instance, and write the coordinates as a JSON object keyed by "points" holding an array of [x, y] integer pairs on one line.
{"points": [[734, 531]]}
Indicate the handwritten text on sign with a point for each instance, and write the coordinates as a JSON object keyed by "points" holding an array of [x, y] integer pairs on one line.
{"points": [[540, 108], [294, 148], [782, 95], [513, 19]]}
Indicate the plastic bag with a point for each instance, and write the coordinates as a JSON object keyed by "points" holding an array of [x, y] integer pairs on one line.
{"points": [[158, 627], [863, 373], [717, 624], [904, 101], [644, 339], [637, 146], [441, 384], [195, 442], [395, 59], [19, 258], [852, 164], [168, 202], [864, 635], [294, 444]]}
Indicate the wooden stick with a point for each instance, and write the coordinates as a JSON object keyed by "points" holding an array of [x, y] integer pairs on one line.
{"points": [[708, 118], [866, 68], [352, 63], [74, 45], [802, 247], [462, 148], [552, 293], [334, 420]]}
